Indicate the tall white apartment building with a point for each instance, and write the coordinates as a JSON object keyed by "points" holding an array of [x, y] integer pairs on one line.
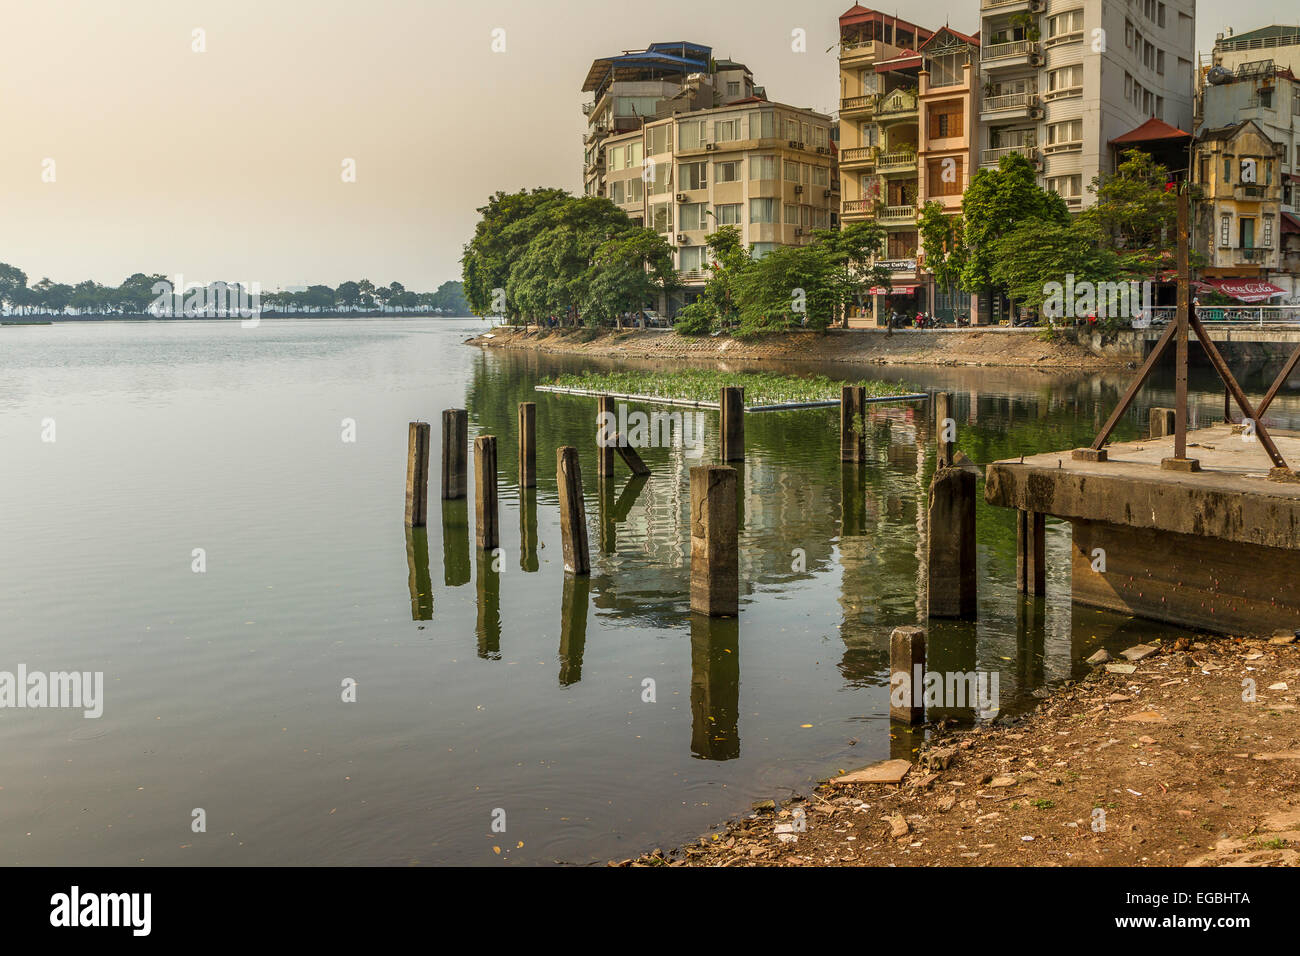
{"points": [[1062, 79]]}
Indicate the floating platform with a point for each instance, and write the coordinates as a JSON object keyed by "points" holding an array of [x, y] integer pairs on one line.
{"points": [[1216, 549]]}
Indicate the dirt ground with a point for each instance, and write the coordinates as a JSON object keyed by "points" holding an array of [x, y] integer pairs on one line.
{"points": [[966, 347], [1164, 766]]}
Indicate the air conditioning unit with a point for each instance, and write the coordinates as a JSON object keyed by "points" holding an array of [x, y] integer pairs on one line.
{"points": [[798, 189], [1036, 112], [681, 239], [1037, 6], [795, 144], [798, 232], [1036, 59], [826, 194], [823, 150], [681, 197], [710, 145]]}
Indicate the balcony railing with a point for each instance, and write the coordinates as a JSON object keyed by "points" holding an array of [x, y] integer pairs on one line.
{"points": [[858, 154], [1254, 253], [897, 103], [858, 206], [1000, 51], [990, 157], [897, 213], [994, 4], [1010, 101], [896, 159], [1250, 192], [856, 104]]}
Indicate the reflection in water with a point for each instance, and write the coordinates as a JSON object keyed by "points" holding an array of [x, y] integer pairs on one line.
{"points": [[528, 529], [950, 651], [455, 542], [905, 740], [488, 628], [418, 578], [605, 496], [1031, 641], [573, 627], [715, 687], [627, 497]]}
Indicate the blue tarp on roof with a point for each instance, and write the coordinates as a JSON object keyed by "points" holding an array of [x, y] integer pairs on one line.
{"points": [[678, 57]]}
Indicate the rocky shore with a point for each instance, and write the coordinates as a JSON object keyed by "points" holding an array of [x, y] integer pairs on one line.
{"points": [[1021, 348], [1186, 754]]}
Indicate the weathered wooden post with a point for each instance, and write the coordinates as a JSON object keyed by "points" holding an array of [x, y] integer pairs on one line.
{"points": [[1162, 422], [606, 428], [455, 449], [487, 530], [951, 544], [417, 475], [906, 654], [853, 410], [715, 545], [731, 408], [1031, 563], [527, 445], [573, 514], [945, 428]]}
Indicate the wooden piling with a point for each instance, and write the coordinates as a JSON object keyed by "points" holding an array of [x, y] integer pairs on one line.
{"points": [[853, 409], [942, 414], [573, 514], [455, 449], [731, 401], [527, 445], [1162, 422], [1031, 563], [487, 531], [906, 654], [715, 546], [951, 544], [417, 475], [606, 428]]}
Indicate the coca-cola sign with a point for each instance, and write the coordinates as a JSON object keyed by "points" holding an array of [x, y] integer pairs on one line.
{"points": [[1247, 290]]}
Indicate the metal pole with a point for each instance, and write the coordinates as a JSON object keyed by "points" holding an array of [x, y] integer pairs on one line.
{"points": [[1180, 400]]}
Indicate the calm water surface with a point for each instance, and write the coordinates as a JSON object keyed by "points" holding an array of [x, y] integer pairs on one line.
{"points": [[477, 689]]}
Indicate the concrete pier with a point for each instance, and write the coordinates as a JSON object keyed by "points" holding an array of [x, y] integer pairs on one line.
{"points": [[731, 401], [455, 453], [715, 546], [487, 526], [606, 429], [573, 514], [906, 654], [951, 544], [1217, 550], [853, 410], [417, 475], [527, 445], [1031, 562]]}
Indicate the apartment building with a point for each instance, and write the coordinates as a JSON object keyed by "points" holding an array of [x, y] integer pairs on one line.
{"points": [[1063, 78], [768, 169], [1239, 219], [1279, 43], [640, 85]]}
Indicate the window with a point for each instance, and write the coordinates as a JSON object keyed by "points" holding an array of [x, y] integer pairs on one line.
{"points": [[726, 131], [791, 172], [791, 214], [762, 167], [693, 175], [819, 136], [1128, 34], [1246, 233], [658, 139], [728, 172], [763, 211], [661, 218], [691, 134], [1128, 86], [635, 190], [1067, 187], [693, 216], [691, 258], [821, 176], [614, 157], [635, 154], [1160, 62], [944, 177], [1266, 238], [1266, 99], [660, 184], [635, 105], [728, 214], [821, 218], [792, 130], [945, 123], [1225, 230], [762, 125], [761, 249], [1065, 23], [1071, 131], [733, 87], [870, 133], [805, 133], [1066, 78], [1160, 14], [616, 194], [1227, 171], [1160, 107]]}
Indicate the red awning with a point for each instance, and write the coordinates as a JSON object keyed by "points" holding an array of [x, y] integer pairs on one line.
{"points": [[1247, 290], [1150, 131], [1290, 224]]}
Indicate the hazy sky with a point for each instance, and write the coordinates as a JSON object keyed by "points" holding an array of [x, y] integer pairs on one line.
{"points": [[227, 164]]}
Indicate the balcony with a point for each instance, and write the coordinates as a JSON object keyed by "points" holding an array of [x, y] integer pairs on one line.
{"points": [[1249, 193], [1009, 6], [858, 207], [859, 157], [896, 161], [864, 51], [997, 56], [898, 105], [857, 105], [897, 215], [1253, 254], [991, 157], [1008, 106]]}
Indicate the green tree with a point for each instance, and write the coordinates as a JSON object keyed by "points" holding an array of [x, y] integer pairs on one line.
{"points": [[1136, 214], [507, 224], [1035, 258], [13, 285], [941, 243], [627, 271]]}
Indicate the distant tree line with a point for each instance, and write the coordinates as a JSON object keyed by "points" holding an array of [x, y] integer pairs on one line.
{"points": [[139, 292]]}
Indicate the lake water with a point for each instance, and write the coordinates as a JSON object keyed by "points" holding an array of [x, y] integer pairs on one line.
{"points": [[477, 690]]}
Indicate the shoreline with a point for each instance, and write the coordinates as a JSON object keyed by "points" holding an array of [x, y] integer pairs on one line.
{"points": [[991, 347], [1161, 765]]}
